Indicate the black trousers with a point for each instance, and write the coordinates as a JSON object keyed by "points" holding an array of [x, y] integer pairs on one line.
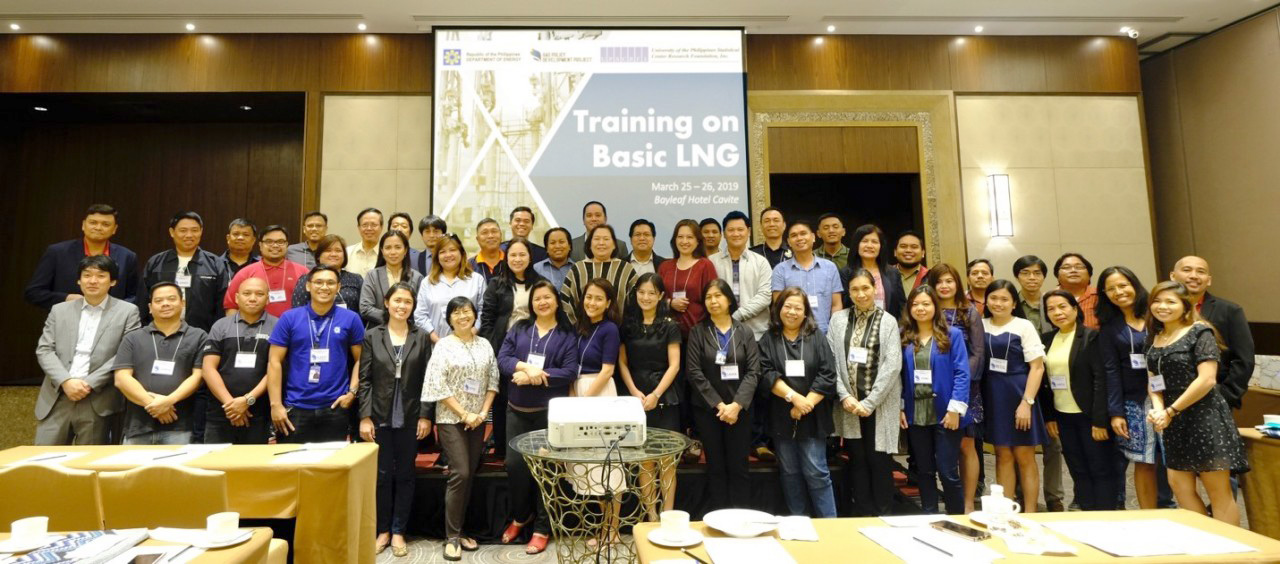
{"points": [[664, 417], [316, 425], [397, 450], [499, 418], [869, 474], [218, 429], [1091, 463], [526, 499], [726, 447]]}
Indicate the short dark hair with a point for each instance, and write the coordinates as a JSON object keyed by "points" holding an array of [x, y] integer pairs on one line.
{"points": [[525, 209], [243, 222], [193, 216], [806, 223], [413, 293], [807, 327], [328, 241], [369, 210], [326, 268], [1002, 284], [151, 293], [432, 220], [910, 233], [487, 220], [1088, 266], [723, 286], [709, 221], [735, 214], [407, 218], [830, 215], [968, 267], [771, 208], [1071, 301], [315, 213], [642, 221], [602, 208], [101, 209], [586, 241], [458, 303], [1027, 261], [276, 227], [546, 237], [100, 262]]}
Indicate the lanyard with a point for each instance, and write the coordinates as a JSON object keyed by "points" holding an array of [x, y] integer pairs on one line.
{"points": [[311, 324], [156, 347], [533, 339], [786, 352], [1007, 346], [584, 350], [237, 321], [284, 276], [1128, 331], [728, 347], [688, 276]]}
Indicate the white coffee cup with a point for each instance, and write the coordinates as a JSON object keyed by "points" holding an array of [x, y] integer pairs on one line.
{"points": [[29, 528], [225, 524], [1000, 505], [1271, 419], [674, 522]]}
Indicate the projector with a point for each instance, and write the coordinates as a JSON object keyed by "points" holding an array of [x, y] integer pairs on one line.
{"points": [[595, 422]]}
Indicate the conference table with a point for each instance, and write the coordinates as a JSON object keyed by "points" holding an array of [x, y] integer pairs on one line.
{"points": [[332, 500], [252, 551], [839, 541], [1261, 484]]}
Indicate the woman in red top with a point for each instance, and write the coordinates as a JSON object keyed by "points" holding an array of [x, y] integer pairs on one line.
{"points": [[686, 275]]}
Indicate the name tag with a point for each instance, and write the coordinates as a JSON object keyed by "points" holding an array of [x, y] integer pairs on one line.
{"points": [[537, 360], [471, 386], [313, 376], [879, 303], [319, 355], [1155, 382], [735, 289], [813, 302], [182, 280], [998, 365], [729, 372], [276, 296], [246, 360], [858, 355], [1138, 360], [924, 377], [677, 295], [795, 368], [1057, 382], [720, 358], [165, 367], [341, 305]]}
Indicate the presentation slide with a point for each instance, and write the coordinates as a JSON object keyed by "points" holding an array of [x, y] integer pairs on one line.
{"points": [[650, 122]]}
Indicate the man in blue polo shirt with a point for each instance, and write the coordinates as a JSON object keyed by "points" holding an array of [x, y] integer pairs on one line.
{"points": [[818, 277], [314, 365]]}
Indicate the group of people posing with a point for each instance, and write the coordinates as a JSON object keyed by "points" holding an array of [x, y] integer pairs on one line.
{"points": [[774, 349]]}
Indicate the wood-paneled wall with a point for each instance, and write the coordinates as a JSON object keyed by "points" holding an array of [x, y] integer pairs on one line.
{"points": [[850, 150]]}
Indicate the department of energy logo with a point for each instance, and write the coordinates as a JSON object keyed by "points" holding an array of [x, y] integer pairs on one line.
{"points": [[537, 55], [452, 57]]}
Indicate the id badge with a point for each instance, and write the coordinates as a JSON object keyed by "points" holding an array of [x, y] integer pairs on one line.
{"points": [[924, 377], [537, 360], [1155, 382], [720, 358], [276, 296], [162, 367], [182, 280], [1138, 360], [471, 386], [813, 302], [678, 295], [795, 369], [341, 305], [1057, 382], [319, 355], [313, 375], [729, 372], [858, 355], [735, 290], [246, 360], [998, 365]]}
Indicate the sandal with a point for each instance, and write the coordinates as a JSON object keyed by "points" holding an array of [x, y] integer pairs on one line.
{"points": [[469, 544], [399, 551], [512, 532], [537, 544], [452, 550]]}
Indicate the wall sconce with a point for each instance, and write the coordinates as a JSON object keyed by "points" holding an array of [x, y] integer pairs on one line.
{"points": [[1001, 207]]}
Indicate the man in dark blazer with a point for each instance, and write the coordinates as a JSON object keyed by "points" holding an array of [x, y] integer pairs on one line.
{"points": [[57, 274], [77, 351], [1236, 367], [593, 214], [643, 259]]}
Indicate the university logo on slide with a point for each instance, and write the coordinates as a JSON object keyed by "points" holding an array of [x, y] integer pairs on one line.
{"points": [[624, 54], [452, 57]]}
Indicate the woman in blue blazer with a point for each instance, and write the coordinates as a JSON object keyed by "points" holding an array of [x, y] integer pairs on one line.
{"points": [[935, 396]]}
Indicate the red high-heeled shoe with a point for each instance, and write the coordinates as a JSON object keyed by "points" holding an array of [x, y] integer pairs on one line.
{"points": [[537, 544], [512, 532]]}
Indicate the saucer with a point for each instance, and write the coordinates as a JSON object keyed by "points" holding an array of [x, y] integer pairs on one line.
{"points": [[27, 544], [687, 538]]}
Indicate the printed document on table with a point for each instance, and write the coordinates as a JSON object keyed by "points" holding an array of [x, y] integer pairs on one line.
{"points": [[48, 458], [735, 551], [1147, 537], [926, 545]]}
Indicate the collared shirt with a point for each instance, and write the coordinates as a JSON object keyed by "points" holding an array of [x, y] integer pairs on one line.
{"points": [[282, 277], [234, 267], [485, 265], [233, 335], [301, 253], [642, 266], [774, 256], [300, 330], [821, 280], [433, 299], [58, 273], [840, 257], [909, 278], [139, 351], [422, 261], [556, 274], [1088, 303], [1031, 311], [359, 260], [90, 318]]}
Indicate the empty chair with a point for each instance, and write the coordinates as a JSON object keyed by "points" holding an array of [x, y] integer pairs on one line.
{"points": [[69, 498], [162, 496]]}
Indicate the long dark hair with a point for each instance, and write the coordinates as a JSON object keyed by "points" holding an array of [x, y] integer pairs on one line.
{"points": [[698, 251], [962, 303], [586, 242], [1189, 313], [724, 288], [610, 311], [386, 297], [941, 332], [562, 319], [1106, 310], [632, 315], [404, 261], [1007, 286], [882, 259], [505, 276], [807, 327]]}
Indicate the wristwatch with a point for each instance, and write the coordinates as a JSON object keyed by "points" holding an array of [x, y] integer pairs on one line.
{"points": [[790, 396], [250, 400], [1030, 401]]}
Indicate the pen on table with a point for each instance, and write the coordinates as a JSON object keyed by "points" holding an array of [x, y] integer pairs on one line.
{"points": [[289, 451], [168, 456], [919, 540], [49, 457], [691, 555]]}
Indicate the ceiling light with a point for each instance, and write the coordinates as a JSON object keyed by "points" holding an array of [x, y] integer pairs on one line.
{"points": [[40, 109], [191, 27], [817, 41], [1133, 34], [360, 26], [246, 108], [831, 28], [1125, 29], [977, 29], [15, 26]]}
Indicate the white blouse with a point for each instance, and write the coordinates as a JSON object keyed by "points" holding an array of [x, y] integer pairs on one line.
{"points": [[463, 371], [434, 298]]}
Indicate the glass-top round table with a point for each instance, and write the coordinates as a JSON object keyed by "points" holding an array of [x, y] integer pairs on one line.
{"points": [[590, 498]]}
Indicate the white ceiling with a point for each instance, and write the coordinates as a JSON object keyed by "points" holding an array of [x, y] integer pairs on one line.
{"points": [[1153, 18]]}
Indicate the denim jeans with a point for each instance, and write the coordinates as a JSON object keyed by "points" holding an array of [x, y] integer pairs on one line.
{"points": [[805, 476], [160, 438], [937, 453], [1091, 463], [316, 425]]}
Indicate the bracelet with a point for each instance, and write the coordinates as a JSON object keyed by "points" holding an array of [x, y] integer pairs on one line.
{"points": [[1173, 409]]}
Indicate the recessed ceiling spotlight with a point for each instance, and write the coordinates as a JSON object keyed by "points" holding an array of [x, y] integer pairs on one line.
{"points": [[817, 41], [40, 109], [831, 28], [361, 26], [1133, 34], [977, 29], [15, 26], [246, 108], [191, 27]]}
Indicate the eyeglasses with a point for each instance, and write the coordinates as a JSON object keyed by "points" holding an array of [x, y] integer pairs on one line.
{"points": [[275, 243], [324, 283]]}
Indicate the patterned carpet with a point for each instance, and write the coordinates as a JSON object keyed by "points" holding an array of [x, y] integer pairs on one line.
{"points": [[17, 404]]}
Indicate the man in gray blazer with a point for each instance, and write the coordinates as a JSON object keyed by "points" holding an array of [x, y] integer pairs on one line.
{"points": [[76, 352]]}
